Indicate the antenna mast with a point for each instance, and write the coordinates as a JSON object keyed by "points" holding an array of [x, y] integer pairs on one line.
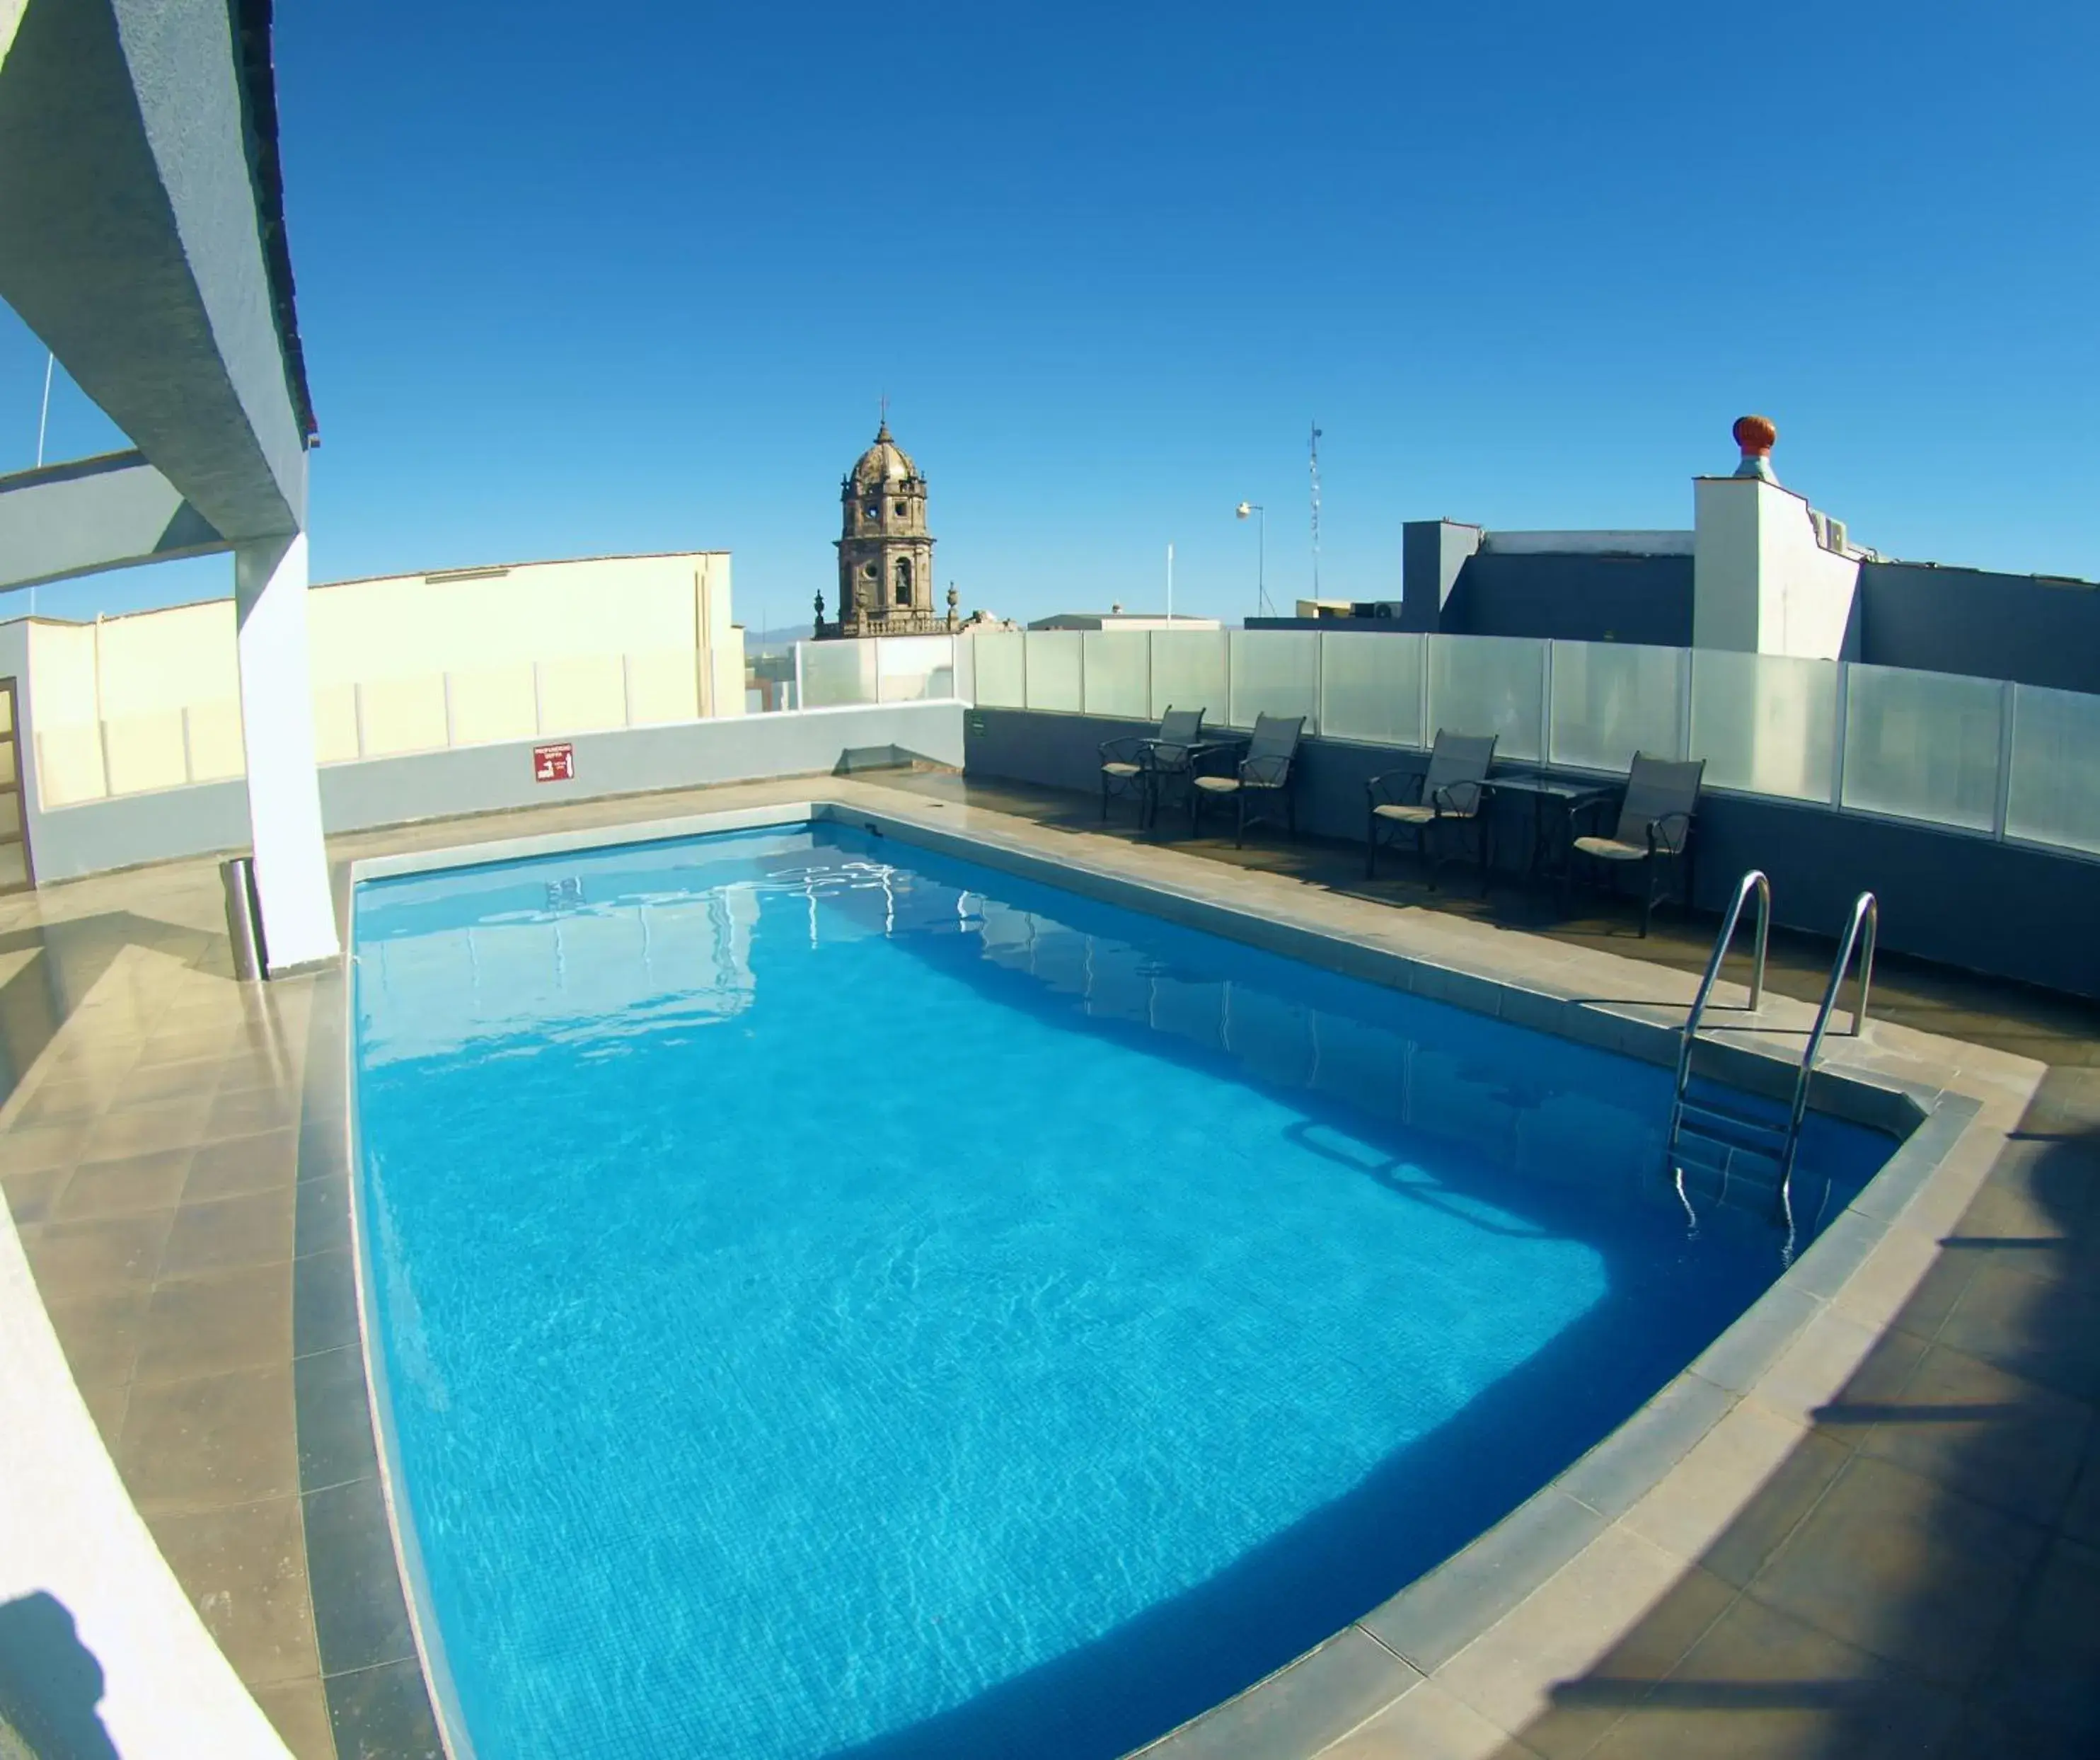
{"points": [[1316, 509]]}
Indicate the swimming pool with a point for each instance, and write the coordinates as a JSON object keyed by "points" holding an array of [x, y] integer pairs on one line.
{"points": [[838, 1300]]}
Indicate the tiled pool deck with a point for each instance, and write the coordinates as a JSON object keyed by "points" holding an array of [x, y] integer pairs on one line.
{"points": [[1911, 1564]]}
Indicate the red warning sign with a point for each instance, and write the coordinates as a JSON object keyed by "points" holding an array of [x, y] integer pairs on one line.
{"points": [[554, 764]]}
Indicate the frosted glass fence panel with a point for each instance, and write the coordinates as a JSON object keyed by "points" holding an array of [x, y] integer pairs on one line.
{"points": [[1611, 700], [144, 752], [1274, 672], [335, 722], [586, 695], [1922, 745], [913, 668], [490, 704], [1764, 723], [1189, 671], [662, 687], [1370, 688], [69, 764], [837, 673], [1489, 685], [1001, 670], [966, 669], [1054, 669], [2054, 797], [396, 716], [1118, 669], [216, 750]]}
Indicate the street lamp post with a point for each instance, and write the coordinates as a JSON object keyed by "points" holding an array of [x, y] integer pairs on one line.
{"points": [[1261, 551]]}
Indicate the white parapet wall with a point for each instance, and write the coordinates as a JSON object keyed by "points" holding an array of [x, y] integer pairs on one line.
{"points": [[1763, 581], [129, 830]]}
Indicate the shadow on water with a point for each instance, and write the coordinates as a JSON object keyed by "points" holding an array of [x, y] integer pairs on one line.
{"points": [[49, 1681], [1308, 1582]]}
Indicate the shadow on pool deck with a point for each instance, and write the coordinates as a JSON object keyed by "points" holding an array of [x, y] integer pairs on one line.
{"points": [[1922, 1575], [50, 1682]]}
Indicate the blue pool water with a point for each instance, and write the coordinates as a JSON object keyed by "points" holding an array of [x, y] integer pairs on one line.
{"points": [[839, 1301]]}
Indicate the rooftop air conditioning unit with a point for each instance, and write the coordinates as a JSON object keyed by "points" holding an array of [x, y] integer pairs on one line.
{"points": [[1835, 540]]}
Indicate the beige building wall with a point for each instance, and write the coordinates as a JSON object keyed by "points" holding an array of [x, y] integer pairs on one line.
{"points": [[405, 663]]}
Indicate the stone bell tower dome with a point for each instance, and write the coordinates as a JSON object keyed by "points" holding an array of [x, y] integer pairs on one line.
{"points": [[885, 552]]}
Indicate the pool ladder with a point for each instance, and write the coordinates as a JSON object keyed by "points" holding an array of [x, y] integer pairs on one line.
{"points": [[1722, 1135]]}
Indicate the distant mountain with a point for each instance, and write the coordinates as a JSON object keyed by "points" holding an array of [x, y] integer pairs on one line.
{"points": [[759, 641]]}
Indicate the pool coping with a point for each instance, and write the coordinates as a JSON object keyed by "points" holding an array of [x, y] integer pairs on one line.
{"points": [[1582, 1559]]}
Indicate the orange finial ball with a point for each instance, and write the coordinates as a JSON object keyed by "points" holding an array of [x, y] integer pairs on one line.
{"points": [[1755, 435]]}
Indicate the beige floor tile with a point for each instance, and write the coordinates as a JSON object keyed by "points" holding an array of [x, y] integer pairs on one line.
{"points": [[1567, 1626], [141, 1130], [297, 1709], [249, 1112], [174, 1040], [243, 1164], [216, 1323], [222, 1234], [1696, 1502], [166, 1084], [1427, 1723], [30, 1195], [97, 1254], [106, 1405], [65, 1102], [193, 1445], [102, 1335], [245, 1569], [1900, 1566], [33, 1147], [130, 1187]]}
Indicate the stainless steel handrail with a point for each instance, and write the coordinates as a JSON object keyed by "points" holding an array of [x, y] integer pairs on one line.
{"points": [[1867, 913], [1754, 881]]}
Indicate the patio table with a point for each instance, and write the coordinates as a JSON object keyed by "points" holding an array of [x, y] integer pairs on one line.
{"points": [[1555, 799]]}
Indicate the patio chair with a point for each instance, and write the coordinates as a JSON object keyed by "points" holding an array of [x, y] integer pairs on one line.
{"points": [[1448, 796], [1261, 783], [1654, 831], [1129, 764]]}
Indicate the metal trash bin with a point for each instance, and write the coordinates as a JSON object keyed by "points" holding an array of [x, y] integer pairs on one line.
{"points": [[243, 919]]}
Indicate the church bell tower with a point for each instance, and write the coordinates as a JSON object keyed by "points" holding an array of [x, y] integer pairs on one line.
{"points": [[885, 552]]}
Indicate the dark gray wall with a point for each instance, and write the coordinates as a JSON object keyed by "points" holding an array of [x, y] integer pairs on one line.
{"points": [[1432, 554], [2021, 626], [1645, 599], [1965, 901]]}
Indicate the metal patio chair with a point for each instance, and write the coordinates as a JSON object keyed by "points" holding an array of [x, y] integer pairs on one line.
{"points": [[1449, 796], [1130, 765], [1262, 783], [1654, 831]]}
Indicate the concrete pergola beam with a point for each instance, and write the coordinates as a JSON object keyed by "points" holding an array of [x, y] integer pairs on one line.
{"points": [[116, 511], [130, 242], [141, 236]]}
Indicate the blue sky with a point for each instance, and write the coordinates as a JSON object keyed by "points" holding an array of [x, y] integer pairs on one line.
{"points": [[637, 283]]}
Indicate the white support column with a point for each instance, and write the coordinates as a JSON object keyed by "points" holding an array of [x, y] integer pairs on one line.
{"points": [[277, 732]]}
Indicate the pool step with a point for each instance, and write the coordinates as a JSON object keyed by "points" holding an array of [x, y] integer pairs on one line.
{"points": [[1729, 1146]]}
